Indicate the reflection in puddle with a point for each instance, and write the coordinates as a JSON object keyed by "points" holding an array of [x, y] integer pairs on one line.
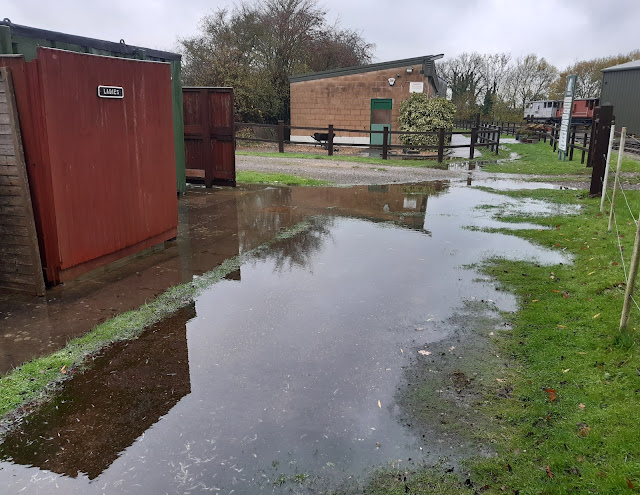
{"points": [[292, 367]]}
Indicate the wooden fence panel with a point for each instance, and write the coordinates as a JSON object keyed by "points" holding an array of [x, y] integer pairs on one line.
{"points": [[20, 267], [209, 135]]}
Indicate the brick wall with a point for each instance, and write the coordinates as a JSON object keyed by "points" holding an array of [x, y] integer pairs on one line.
{"points": [[345, 101]]}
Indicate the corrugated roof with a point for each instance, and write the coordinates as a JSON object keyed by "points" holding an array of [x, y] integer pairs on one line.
{"points": [[31, 32], [426, 61], [634, 64]]}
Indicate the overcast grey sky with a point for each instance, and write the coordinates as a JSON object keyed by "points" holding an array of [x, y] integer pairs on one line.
{"points": [[562, 31]]}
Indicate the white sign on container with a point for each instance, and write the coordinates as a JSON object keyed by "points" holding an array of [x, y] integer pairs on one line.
{"points": [[567, 108]]}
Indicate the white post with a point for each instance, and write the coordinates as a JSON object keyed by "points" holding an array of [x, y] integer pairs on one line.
{"points": [[612, 136], [623, 138]]}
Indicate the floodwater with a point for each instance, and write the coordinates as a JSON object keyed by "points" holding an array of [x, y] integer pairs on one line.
{"points": [[281, 378]]}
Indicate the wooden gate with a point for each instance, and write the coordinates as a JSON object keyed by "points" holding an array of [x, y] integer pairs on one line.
{"points": [[20, 267], [209, 135]]}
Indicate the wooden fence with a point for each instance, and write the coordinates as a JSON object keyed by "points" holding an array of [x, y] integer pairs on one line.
{"points": [[483, 136]]}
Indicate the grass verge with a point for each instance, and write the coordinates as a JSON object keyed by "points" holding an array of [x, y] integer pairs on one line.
{"points": [[540, 159], [251, 177], [569, 423], [35, 380]]}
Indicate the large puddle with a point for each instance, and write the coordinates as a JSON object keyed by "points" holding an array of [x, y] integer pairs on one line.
{"points": [[282, 378]]}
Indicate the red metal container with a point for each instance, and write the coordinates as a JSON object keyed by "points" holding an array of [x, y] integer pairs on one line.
{"points": [[101, 169]]}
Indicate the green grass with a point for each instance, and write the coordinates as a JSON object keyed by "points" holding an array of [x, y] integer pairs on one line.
{"points": [[250, 177], [539, 158], [565, 337], [36, 379]]}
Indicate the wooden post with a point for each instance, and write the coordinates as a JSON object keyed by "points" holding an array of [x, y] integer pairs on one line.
{"points": [[280, 136], [498, 139], [584, 147], [612, 137], [631, 283], [573, 142], [440, 144], [330, 140], [474, 139], [616, 182], [602, 117], [556, 134], [385, 144]]}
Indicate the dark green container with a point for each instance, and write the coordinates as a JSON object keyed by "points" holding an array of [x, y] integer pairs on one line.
{"points": [[24, 40]]}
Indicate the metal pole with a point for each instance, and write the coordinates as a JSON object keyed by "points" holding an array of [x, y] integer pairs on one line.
{"points": [[607, 166], [617, 180]]}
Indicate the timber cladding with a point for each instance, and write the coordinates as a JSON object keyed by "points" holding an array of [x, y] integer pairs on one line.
{"points": [[345, 100], [20, 267]]}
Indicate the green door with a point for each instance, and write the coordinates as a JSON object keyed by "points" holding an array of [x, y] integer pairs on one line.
{"points": [[380, 118]]}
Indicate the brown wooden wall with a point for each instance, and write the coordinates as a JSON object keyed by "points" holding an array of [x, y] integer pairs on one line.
{"points": [[209, 135], [20, 267]]}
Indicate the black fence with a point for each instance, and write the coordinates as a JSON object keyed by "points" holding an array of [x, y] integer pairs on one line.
{"points": [[483, 136]]}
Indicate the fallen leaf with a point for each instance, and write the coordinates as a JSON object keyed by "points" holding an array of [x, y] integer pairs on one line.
{"points": [[551, 392], [565, 295], [549, 473], [535, 300], [424, 353], [595, 316], [556, 291], [591, 273], [379, 405], [581, 405], [629, 484], [562, 326], [567, 370], [584, 431], [63, 370], [582, 353]]}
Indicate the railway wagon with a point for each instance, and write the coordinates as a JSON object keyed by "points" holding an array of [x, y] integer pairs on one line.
{"points": [[550, 111]]}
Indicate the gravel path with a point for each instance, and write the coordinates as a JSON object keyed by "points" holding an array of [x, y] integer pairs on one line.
{"points": [[350, 173]]}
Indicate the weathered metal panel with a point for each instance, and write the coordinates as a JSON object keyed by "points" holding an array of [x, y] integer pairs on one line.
{"points": [[20, 267], [209, 135], [111, 160], [622, 90], [25, 40]]}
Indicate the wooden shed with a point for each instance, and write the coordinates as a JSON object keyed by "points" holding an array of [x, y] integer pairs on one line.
{"points": [[98, 142]]}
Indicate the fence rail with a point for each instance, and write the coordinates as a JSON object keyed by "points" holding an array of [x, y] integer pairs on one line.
{"points": [[486, 136]]}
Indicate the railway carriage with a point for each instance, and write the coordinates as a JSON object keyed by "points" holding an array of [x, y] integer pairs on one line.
{"points": [[550, 111]]}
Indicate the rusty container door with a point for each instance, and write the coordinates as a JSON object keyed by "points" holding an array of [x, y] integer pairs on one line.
{"points": [[101, 169], [209, 135]]}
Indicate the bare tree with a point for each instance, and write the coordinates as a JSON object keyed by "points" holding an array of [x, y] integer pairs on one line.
{"points": [[530, 79], [257, 45], [590, 75]]}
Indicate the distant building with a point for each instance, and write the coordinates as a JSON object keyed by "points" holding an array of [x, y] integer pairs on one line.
{"points": [[621, 88], [365, 97]]}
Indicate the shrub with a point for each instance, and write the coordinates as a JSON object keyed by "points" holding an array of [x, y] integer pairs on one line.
{"points": [[419, 113]]}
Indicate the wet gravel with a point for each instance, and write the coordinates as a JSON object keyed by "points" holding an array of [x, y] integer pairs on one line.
{"points": [[350, 173]]}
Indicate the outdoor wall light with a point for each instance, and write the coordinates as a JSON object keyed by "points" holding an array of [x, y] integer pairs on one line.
{"points": [[409, 70]]}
